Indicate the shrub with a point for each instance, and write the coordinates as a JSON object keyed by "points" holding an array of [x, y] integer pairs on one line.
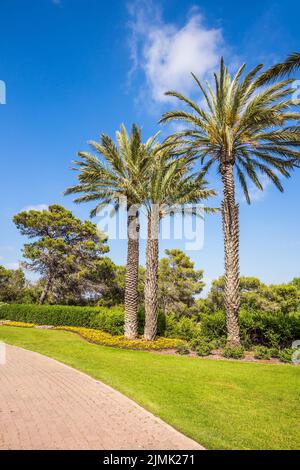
{"points": [[270, 329], [171, 323], [218, 343], [274, 352], [233, 352], [285, 355], [261, 352], [197, 341], [203, 349], [185, 328], [50, 314], [161, 322], [110, 320], [202, 346], [213, 326], [258, 328], [182, 349]]}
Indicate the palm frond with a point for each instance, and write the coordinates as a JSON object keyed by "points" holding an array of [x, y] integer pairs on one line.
{"points": [[289, 66]]}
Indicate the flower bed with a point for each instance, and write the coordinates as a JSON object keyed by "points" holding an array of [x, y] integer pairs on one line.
{"points": [[19, 323], [105, 339]]}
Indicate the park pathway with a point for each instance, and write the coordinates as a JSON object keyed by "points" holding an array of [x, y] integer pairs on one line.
{"points": [[47, 405]]}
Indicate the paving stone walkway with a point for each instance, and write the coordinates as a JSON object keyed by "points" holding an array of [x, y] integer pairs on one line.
{"points": [[47, 405]]}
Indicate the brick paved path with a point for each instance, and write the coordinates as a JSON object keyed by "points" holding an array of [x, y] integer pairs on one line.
{"points": [[47, 405]]}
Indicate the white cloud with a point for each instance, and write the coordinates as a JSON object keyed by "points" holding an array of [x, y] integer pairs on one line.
{"points": [[256, 195], [15, 265], [56, 2], [167, 54], [37, 207]]}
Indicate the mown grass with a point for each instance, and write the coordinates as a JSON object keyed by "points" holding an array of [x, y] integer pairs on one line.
{"points": [[221, 404]]}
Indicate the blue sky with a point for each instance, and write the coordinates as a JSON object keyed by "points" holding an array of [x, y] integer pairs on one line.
{"points": [[75, 68]]}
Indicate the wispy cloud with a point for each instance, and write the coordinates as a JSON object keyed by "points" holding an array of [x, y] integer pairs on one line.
{"points": [[166, 54], [37, 207], [256, 195], [15, 265], [56, 2]]}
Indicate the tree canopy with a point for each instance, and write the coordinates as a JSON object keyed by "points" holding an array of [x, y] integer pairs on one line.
{"points": [[179, 282], [64, 252]]}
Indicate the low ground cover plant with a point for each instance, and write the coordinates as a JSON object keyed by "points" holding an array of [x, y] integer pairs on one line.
{"points": [[106, 339], [234, 352], [262, 352]]}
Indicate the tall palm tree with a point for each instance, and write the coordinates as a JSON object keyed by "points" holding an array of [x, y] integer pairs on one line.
{"points": [[282, 69], [246, 132], [108, 180], [170, 186]]}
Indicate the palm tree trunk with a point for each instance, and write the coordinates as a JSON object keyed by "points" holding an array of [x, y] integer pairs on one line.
{"points": [[45, 291], [151, 284], [132, 273], [230, 215]]}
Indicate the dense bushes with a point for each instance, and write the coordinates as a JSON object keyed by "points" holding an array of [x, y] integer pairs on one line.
{"points": [[184, 328], [110, 320], [272, 330], [262, 352], [50, 314], [257, 328], [233, 352]]}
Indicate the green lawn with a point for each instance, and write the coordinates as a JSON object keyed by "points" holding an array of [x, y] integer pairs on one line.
{"points": [[221, 404]]}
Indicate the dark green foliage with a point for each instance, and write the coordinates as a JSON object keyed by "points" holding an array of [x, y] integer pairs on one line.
{"points": [[234, 352], [260, 328], [179, 282], [285, 355], [274, 352], [202, 346], [213, 326], [270, 329], [184, 328], [56, 315], [262, 352], [64, 250], [110, 320], [161, 322], [257, 296], [257, 328], [12, 284], [204, 349]]}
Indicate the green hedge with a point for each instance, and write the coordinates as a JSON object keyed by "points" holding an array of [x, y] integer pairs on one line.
{"points": [[110, 320], [258, 328], [56, 315]]}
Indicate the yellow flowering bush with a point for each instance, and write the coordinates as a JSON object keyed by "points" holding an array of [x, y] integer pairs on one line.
{"points": [[20, 323], [105, 339]]}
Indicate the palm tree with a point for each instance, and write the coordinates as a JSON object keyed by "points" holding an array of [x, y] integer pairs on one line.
{"points": [[246, 132], [170, 185], [289, 66], [109, 180]]}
